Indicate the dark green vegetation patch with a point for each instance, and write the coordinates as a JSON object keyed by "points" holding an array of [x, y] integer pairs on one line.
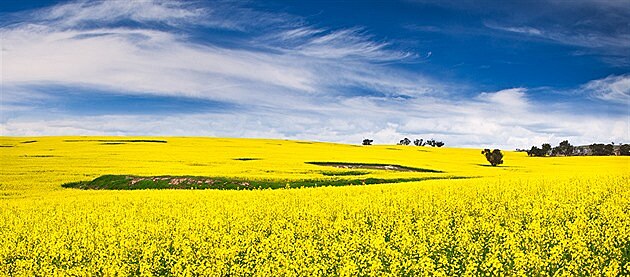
{"points": [[197, 164], [394, 167], [130, 182], [345, 173], [247, 159], [28, 141]]}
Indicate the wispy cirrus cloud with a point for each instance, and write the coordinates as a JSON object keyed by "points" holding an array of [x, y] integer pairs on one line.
{"points": [[521, 30], [88, 14], [82, 13], [351, 43], [599, 27], [148, 60], [612, 88], [595, 27], [587, 39]]}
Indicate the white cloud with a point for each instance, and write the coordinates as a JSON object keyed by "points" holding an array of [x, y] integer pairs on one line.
{"points": [[469, 123], [140, 61], [352, 43], [522, 30], [46, 50], [612, 88], [507, 99], [581, 39], [73, 14]]}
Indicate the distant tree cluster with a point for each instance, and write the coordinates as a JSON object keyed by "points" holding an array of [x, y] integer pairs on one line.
{"points": [[566, 149], [540, 152], [435, 143], [563, 149], [421, 142], [407, 141], [404, 141], [600, 149]]}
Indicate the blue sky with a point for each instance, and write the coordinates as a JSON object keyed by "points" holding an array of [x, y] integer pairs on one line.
{"points": [[471, 73]]}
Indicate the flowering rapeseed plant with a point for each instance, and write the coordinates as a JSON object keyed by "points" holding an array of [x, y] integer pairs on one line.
{"points": [[530, 216]]}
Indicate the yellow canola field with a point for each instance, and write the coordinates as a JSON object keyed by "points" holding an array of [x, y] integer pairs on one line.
{"points": [[562, 216]]}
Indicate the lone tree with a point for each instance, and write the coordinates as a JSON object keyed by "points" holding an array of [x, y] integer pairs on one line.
{"points": [[418, 142], [367, 141], [495, 157]]}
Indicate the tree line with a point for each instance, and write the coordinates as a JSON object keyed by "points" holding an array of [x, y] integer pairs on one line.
{"points": [[416, 142], [566, 149]]}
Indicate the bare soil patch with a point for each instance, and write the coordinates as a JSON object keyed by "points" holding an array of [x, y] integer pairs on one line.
{"points": [[375, 166]]}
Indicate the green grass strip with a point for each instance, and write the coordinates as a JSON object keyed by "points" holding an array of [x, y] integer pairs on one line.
{"points": [[130, 182]]}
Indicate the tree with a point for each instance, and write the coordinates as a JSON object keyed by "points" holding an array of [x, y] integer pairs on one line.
{"points": [[367, 142], [546, 149], [536, 152], [624, 150], [405, 141], [434, 143], [495, 157], [600, 149], [540, 152], [418, 142], [564, 149]]}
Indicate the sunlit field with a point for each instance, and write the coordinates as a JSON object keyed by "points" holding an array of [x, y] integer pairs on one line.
{"points": [[561, 216]]}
